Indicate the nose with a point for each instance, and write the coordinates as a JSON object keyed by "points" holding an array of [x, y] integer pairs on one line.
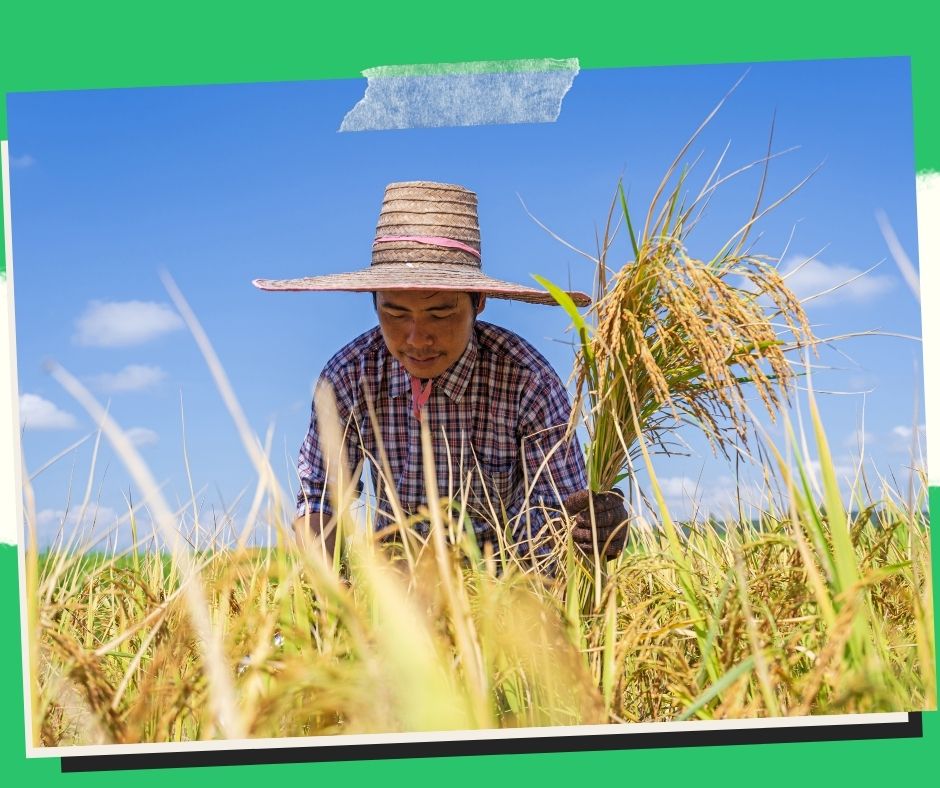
{"points": [[420, 334]]}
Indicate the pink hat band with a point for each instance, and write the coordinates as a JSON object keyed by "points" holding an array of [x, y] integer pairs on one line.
{"points": [[432, 240]]}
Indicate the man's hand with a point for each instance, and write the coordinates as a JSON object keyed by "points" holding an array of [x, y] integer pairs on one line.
{"points": [[610, 519], [309, 528]]}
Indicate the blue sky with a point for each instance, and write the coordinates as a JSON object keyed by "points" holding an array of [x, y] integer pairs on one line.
{"points": [[222, 184]]}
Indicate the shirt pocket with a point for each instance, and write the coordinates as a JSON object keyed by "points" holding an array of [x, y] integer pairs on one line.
{"points": [[501, 477], [494, 439], [494, 490]]}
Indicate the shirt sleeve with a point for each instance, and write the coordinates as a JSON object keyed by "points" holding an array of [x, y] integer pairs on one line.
{"points": [[313, 495], [553, 467]]}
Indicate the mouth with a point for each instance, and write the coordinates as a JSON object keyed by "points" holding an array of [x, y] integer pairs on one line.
{"points": [[422, 360]]}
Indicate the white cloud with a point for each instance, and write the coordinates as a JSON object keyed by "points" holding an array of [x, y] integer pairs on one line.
{"points": [[124, 323], [22, 162], [141, 436], [51, 522], [904, 439], [39, 414], [677, 486], [844, 469], [133, 377], [47, 516], [808, 278], [863, 381], [860, 438], [687, 497]]}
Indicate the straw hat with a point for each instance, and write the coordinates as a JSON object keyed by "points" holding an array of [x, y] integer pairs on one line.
{"points": [[427, 238]]}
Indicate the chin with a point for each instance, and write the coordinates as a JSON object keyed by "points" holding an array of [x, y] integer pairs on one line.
{"points": [[425, 373]]}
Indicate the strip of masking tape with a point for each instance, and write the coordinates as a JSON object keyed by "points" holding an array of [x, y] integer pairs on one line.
{"points": [[462, 94], [928, 247]]}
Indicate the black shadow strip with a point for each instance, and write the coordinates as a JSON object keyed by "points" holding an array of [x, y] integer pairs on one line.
{"points": [[911, 729]]}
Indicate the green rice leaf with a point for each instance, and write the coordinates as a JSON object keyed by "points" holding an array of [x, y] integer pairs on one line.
{"points": [[564, 301], [626, 216], [715, 690]]}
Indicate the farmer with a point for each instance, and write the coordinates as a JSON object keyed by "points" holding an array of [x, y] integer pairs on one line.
{"points": [[496, 410]]}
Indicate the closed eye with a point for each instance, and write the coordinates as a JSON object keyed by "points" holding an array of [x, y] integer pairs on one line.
{"points": [[433, 315]]}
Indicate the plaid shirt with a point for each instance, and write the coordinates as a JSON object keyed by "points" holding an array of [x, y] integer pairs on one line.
{"points": [[494, 417]]}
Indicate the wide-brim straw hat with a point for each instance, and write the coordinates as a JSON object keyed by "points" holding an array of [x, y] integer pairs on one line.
{"points": [[427, 238]]}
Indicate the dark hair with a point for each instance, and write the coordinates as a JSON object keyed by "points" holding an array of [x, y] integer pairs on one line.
{"points": [[474, 300]]}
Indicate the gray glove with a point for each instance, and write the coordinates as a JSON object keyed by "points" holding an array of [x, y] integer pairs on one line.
{"points": [[610, 518]]}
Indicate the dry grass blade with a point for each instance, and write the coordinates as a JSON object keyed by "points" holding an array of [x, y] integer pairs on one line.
{"points": [[222, 693], [249, 439]]}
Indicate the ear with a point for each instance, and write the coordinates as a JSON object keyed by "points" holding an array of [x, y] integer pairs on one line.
{"points": [[482, 303]]}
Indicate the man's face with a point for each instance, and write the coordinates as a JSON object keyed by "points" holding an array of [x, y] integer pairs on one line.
{"points": [[427, 331]]}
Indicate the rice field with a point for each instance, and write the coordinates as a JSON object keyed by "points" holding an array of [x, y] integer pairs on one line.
{"points": [[816, 599], [706, 621]]}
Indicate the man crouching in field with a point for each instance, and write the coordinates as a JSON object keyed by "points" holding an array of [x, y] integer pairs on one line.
{"points": [[496, 410]]}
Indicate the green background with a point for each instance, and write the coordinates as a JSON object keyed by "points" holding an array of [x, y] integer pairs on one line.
{"points": [[69, 46]]}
